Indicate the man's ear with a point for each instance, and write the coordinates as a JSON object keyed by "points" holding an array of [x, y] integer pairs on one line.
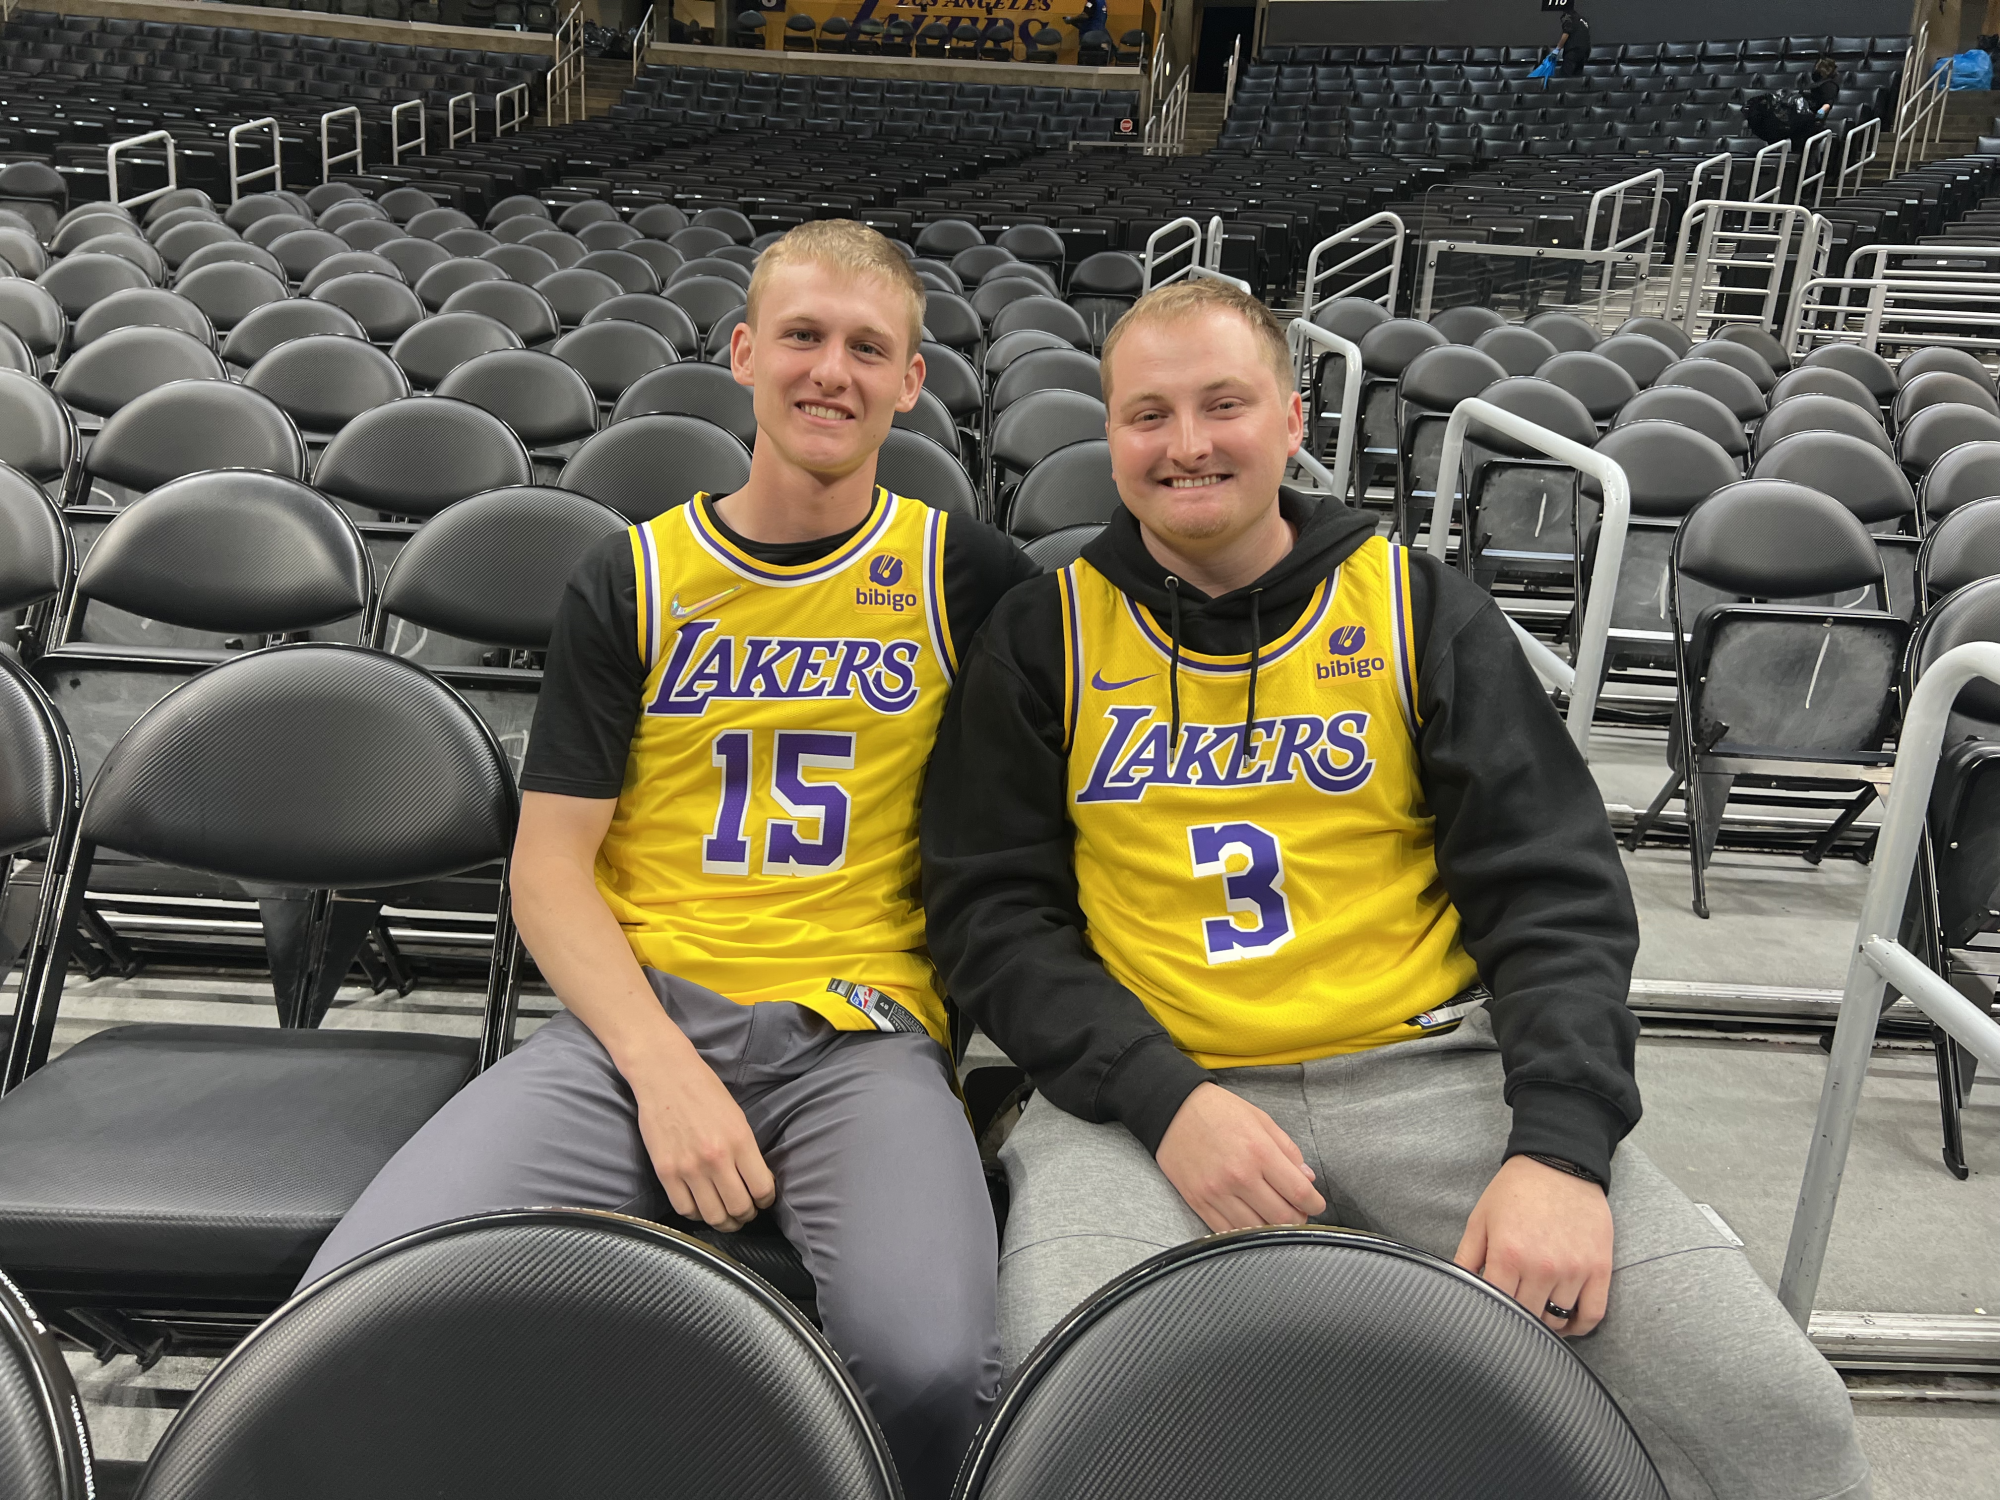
{"points": [[913, 383], [1295, 424], [741, 347]]}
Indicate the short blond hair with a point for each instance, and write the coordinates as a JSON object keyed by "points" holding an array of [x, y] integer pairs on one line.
{"points": [[1181, 300], [845, 245]]}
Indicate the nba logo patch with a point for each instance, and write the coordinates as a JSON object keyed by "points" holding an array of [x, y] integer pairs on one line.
{"points": [[880, 594]]}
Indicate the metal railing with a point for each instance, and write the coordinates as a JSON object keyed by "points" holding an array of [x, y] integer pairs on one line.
{"points": [[1166, 131], [328, 158], [1737, 250], [1381, 284], [469, 134], [510, 110], [565, 77], [1229, 80], [1698, 183], [1581, 680], [1857, 150], [1815, 161], [1767, 172], [398, 142], [1159, 254], [132, 143], [1905, 312], [1607, 209], [1920, 114], [1877, 960], [276, 171], [642, 39], [1309, 341]]}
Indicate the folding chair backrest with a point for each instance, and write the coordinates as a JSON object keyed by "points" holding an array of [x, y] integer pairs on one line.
{"points": [[1072, 486], [1864, 365], [44, 1448], [544, 401], [1968, 472], [1936, 430], [1814, 413], [416, 456], [644, 465], [37, 433], [1962, 548], [192, 425], [910, 463], [1972, 613]]}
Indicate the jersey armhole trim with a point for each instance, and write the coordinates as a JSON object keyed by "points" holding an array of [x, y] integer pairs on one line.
{"points": [[934, 598], [646, 590], [1405, 644], [1072, 629]]}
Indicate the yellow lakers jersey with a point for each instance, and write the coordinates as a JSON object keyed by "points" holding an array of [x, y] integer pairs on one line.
{"points": [[1275, 897], [765, 842]]}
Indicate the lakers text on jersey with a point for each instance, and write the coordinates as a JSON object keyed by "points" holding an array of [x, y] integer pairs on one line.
{"points": [[765, 843], [1269, 891]]}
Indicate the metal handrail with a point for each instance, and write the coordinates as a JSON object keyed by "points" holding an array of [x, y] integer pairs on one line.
{"points": [[1695, 253], [1166, 131], [503, 121], [1582, 680], [1155, 258], [1971, 303], [1307, 340], [276, 171], [1824, 142], [397, 143], [1614, 198], [1393, 271], [1815, 255], [132, 143], [328, 160], [470, 134], [565, 76], [1229, 79], [1869, 133], [1758, 193], [1701, 170], [642, 39], [1921, 112], [1878, 960], [1872, 261]]}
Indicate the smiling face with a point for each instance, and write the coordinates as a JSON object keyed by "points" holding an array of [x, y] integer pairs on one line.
{"points": [[1200, 428], [829, 360]]}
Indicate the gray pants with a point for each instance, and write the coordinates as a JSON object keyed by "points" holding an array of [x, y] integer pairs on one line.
{"points": [[1730, 1399], [879, 1187]]}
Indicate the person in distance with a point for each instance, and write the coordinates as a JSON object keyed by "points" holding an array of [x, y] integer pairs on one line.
{"points": [[1254, 839], [716, 870]]}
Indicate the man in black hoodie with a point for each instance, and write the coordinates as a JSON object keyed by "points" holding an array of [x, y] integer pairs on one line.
{"points": [[1255, 841]]}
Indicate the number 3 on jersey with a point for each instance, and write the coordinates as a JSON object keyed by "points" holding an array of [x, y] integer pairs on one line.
{"points": [[726, 851], [1253, 884]]}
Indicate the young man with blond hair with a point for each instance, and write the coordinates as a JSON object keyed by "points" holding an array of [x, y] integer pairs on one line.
{"points": [[716, 870], [1254, 839]]}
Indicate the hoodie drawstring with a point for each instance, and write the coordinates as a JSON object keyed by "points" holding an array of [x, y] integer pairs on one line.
{"points": [[1250, 703], [1174, 662]]}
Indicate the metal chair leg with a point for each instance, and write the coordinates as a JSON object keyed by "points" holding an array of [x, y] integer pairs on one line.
{"points": [[1646, 819], [1825, 842], [1952, 1089]]}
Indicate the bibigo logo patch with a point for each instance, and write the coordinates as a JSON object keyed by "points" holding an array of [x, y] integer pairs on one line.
{"points": [[880, 596], [1345, 646]]}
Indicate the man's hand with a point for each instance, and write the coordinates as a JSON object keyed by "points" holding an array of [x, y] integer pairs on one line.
{"points": [[701, 1144], [1542, 1236], [1234, 1166]]}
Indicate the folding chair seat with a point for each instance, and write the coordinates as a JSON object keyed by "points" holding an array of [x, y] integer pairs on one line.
{"points": [[1521, 509], [521, 308], [1387, 349], [1823, 380], [1739, 357], [1771, 691], [1200, 1324], [324, 381], [1868, 482], [1940, 388], [1725, 383], [1641, 357], [564, 249], [574, 292], [700, 239], [1671, 469], [1820, 413], [193, 1169], [953, 322], [1692, 409], [644, 465], [383, 306], [1933, 432], [44, 1446], [707, 300], [1940, 358], [149, 307], [1037, 244], [612, 354], [263, 328], [1428, 390]]}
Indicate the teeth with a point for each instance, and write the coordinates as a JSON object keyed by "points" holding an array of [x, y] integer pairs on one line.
{"points": [[822, 411], [1195, 484]]}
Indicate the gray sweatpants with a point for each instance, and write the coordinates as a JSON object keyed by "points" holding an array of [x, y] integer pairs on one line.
{"points": [[879, 1187], [1730, 1399]]}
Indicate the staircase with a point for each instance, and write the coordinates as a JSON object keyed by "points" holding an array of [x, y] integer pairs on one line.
{"points": [[1968, 114], [603, 81], [1204, 123]]}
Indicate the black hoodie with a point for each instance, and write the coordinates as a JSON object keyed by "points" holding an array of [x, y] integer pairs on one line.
{"points": [[1522, 844]]}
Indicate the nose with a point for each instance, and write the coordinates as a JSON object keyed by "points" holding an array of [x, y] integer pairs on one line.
{"points": [[1188, 444], [830, 371]]}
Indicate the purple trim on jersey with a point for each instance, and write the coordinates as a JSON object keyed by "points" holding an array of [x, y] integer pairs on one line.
{"points": [[1405, 683], [934, 595], [1300, 632], [1073, 613], [747, 567]]}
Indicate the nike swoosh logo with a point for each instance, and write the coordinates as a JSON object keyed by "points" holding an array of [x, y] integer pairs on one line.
{"points": [[681, 611], [1097, 681]]}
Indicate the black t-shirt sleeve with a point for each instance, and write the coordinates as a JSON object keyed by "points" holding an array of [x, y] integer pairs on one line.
{"points": [[592, 681], [980, 565]]}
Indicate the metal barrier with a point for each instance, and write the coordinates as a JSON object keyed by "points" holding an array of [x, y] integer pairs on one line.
{"points": [[1229, 79], [1771, 162], [1920, 115], [1878, 960], [565, 77], [1821, 146], [398, 144], [1156, 257], [510, 110], [469, 135], [328, 160], [130, 144], [1309, 341], [1698, 179], [1320, 286], [1735, 249], [276, 171], [1582, 680], [642, 38], [1902, 312], [1854, 158]]}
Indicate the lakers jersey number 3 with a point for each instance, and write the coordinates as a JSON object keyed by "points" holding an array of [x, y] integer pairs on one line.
{"points": [[765, 843], [1270, 896]]}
